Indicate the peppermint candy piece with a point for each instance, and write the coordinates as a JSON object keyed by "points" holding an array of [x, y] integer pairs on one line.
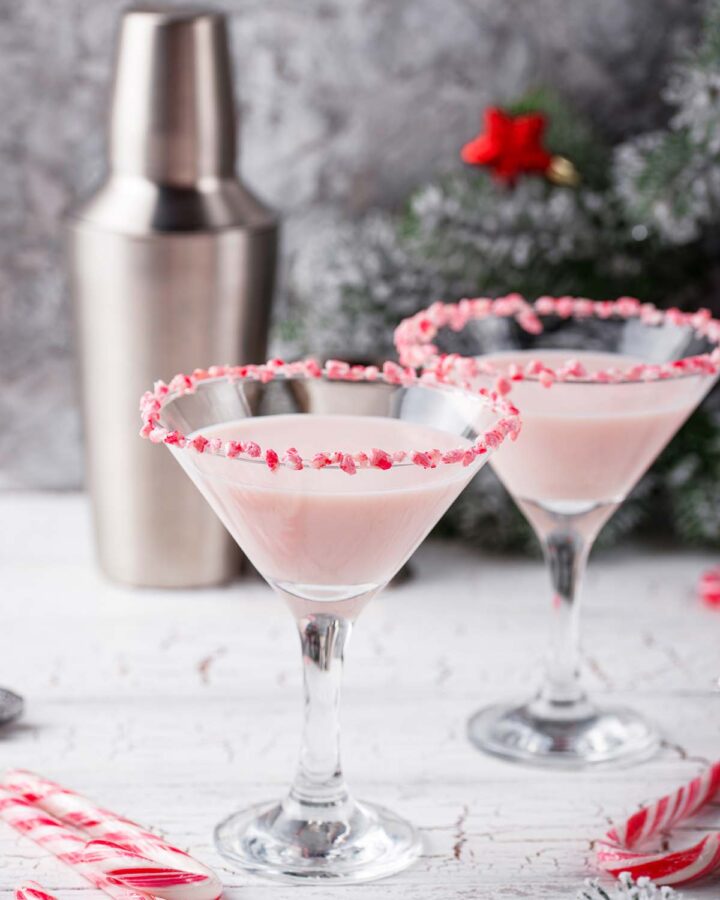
{"points": [[31, 890]]}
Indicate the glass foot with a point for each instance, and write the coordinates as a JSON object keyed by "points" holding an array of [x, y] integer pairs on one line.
{"points": [[600, 737], [368, 842], [11, 706]]}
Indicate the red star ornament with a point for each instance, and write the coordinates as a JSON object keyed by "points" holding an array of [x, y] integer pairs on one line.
{"points": [[509, 145]]}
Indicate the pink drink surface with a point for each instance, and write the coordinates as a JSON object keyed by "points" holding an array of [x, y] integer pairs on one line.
{"points": [[589, 442], [325, 527]]}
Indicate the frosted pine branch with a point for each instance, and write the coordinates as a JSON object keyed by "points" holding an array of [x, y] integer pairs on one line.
{"points": [[627, 889]]}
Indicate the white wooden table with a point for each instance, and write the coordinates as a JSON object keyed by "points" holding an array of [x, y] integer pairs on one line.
{"points": [[179, 707]]}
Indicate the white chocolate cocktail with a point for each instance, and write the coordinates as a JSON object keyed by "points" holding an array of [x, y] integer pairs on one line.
{"points": [[588, 443], [327, 501], [322, 534], [602, 387]]}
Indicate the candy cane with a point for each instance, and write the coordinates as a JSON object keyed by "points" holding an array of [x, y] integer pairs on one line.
{"points": [[64, 843], [76, 810], [182, 878], [31, 890], [615, 853], [134, 871], [709, 587]]}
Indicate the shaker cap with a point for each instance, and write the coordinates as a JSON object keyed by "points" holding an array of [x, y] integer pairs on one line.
{"points": [[172, 116]]}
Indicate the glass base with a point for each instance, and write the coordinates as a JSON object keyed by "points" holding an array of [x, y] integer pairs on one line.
{"points": [[11, 706], [368, 842], [598, 737]]}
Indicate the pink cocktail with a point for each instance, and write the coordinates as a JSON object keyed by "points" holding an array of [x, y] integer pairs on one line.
{"points": [[586, 442], [301, 533], [327, 501], [602, 388]]}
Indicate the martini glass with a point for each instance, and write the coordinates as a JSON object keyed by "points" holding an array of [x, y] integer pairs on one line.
{"points": [[602, 388], [328, 519]]}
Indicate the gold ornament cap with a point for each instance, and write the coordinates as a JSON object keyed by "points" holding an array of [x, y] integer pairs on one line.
{"points": [[562, 171]]}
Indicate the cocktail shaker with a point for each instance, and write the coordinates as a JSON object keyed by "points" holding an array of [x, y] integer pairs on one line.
{"points": [[171, 264]]}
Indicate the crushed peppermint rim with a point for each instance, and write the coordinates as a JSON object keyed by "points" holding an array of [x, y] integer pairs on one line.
{"points": [[414, 338], [152, 403]]}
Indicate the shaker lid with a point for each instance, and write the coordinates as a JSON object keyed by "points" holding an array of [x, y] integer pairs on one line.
{"points": [[172, 116], [172, 130]]}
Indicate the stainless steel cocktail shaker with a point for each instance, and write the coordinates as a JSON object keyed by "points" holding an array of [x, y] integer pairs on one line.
{"points": [[172, 263]]}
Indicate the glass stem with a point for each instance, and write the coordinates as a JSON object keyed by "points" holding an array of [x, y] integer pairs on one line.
{"points": [[566, 552], [319, 780], [566, 537]]}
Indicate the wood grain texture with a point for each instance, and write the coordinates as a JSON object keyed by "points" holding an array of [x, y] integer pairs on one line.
{"points": [[178, 707]]}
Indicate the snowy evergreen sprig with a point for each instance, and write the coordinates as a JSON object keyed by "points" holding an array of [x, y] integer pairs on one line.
{"points": [[670, 181], [627, 889], [350, 286]]}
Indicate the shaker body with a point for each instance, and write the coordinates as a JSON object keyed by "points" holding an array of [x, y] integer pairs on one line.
{"points": [[148, 308], [171, 266]]}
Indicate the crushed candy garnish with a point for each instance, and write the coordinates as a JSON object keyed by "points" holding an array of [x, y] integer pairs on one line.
{"points": [[414, 339], [152, 402]]}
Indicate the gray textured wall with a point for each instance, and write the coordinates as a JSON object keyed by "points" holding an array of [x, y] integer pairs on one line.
{"points": [[345, 104]]}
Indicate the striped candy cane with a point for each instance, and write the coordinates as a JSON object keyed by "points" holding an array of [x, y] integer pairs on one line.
{"points": [[709, 587], [76, 810], [177, 875], [31, 890], [61, 841], [134, 871], [616, 853]]}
